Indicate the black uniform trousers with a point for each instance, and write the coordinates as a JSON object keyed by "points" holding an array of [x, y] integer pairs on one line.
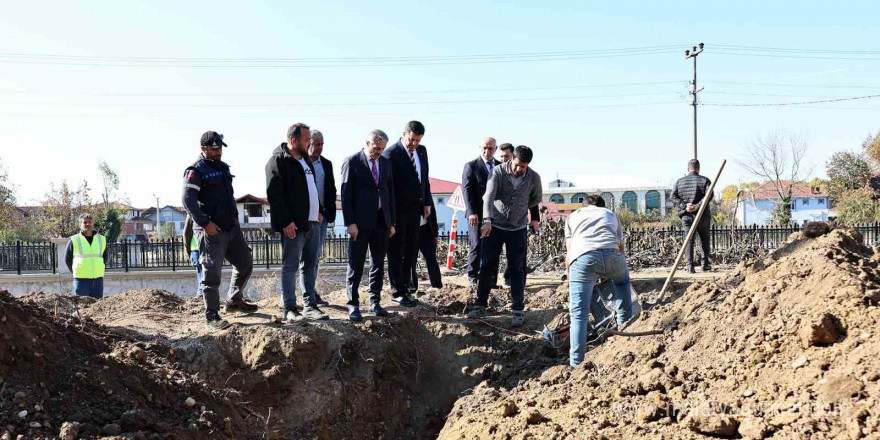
{"points": [[227, 244], [376, 241]]}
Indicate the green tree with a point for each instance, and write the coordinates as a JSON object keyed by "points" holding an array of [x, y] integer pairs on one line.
{"points": [[62, 207], [846, 171], [857, 206], [110, 180], [871, 147], [109, 223], [167, 232], [7, 205]]}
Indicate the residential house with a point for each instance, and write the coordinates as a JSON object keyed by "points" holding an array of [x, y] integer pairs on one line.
{"points": [[168, 214], [136, 226], [253, 212], [634, 193], [807, 204]]}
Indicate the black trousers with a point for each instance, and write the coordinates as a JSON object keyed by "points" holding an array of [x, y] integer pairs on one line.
{"points": [[703, 230], [376, 240], [475, 252], [228, 244], [403, 248], [525, 271], [515, 242], [428, 248]]}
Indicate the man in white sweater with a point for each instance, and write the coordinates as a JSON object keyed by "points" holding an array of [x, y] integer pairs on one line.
{"points": [[594, 244]]}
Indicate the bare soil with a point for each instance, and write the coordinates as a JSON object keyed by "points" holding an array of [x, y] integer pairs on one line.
{"points": [[794, 329], [781, 348]]}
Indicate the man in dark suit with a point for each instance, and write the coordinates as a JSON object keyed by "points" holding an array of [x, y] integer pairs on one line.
{"points": [[473, 182], [368, 209], [326, 192], [428, 236], [412, 195]]}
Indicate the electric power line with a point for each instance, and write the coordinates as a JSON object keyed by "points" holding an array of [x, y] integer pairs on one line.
{"points": [[776, 104]]}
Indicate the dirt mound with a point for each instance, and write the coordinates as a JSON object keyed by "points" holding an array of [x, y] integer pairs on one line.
{"points": [[68, 304], [786, 347], [59, 371]]}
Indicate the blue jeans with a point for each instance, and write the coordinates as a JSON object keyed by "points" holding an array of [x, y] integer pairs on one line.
{"points": [[299, 253], [89, 287], [194, 260], [584, 272]]}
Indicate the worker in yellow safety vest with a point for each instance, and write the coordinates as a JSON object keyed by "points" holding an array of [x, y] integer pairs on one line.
{"points": [[86, 256]]}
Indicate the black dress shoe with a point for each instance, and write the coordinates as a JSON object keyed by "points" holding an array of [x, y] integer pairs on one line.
{"points": [[378, 310], [320, 302], [240, 306], [405, 301], [354, 314]]}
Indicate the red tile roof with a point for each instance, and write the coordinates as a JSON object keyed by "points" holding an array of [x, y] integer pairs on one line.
{"points": [[768, 190], [249, 198], [439, 186]]}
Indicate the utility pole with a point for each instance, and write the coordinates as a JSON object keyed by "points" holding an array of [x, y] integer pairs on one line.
{"points": [[158, 221], [693, 54]]}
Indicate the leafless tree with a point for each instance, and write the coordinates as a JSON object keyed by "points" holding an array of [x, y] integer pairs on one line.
{"points": [[778, 158]]}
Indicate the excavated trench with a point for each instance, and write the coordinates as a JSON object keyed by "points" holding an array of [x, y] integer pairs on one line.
{"points": [[392, 378], [164, 376]]}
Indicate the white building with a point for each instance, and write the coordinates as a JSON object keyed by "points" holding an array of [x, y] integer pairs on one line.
{"points": [[807, 205], [253, 212], [619, 190]]}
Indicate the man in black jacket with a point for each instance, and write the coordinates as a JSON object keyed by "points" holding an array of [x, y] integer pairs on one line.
{"points": [[209, 199], [473, 183], [368, 209], [412, 195], [297, 214], [687, 196], [326, 192]]}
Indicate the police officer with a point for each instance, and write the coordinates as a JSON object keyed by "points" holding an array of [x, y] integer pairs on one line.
{"points": [[208, 199]]}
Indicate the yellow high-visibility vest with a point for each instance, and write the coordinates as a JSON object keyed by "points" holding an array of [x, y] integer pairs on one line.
{"points": [[88, 259], [193, 244]]}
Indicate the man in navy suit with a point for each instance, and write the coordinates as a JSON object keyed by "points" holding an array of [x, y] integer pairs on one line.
{"points": [[473, 182], [412, 196], [368, 209]]}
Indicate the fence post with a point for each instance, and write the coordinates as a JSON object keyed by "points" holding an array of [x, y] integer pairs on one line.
{"points": [[266, 252], [18, 256], [125, 254], [54, 256], [174, 254]]}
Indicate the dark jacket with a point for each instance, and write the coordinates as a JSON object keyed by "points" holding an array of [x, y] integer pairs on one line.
{"points": [[360, 194], [473, 183], [288, 191], [329, 191], [690, 189], [432, 221], [410, 194], [208, 195]]}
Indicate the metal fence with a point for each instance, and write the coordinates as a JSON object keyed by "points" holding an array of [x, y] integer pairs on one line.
{"points": [[24, 256]]}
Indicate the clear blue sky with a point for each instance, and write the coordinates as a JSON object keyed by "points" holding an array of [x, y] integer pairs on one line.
{"points": [[61, 115]]}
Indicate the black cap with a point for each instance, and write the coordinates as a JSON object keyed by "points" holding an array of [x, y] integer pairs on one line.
{"points": [[213, 139]]}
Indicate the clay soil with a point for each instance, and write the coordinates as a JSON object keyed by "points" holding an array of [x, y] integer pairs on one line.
{"points": [[795, 329]]}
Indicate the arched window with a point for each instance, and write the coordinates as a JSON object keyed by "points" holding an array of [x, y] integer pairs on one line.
{"points": [[557, 198], [630, 201], [652, 201], [579, 198], [609, 200]]}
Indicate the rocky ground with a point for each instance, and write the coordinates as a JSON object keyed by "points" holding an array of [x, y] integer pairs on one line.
{"points": [[781, 348]]}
